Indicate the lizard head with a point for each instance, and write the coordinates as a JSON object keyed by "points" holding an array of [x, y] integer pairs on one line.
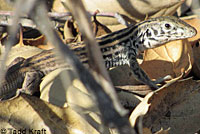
{"points": [[162, 30]]}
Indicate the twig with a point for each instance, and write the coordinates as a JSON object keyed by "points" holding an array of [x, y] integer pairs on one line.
{"points": [[61, 15], [6, 13], [140, 90], [121, 20], [58, 17], [54, 15]]}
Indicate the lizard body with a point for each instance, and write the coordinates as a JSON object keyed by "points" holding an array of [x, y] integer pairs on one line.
{"points": [[118, 48]]}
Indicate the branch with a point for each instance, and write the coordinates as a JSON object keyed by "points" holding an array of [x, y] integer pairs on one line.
{"points": [[58, 17]]}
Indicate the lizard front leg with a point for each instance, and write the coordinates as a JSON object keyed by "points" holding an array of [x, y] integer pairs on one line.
{"points": [[140, 74]]}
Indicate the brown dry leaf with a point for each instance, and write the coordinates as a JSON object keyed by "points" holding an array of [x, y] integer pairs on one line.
{"points": [[70, 93], [172, 99], [30, 113], [122, 75], [58, 93], [128, 99], [52, 89], [98, 28], [19, 37], [77, 93], [133, 10], [196, 24], [141, 109], [46, 45], [71, 32], [163, 131], [58, 7], [196, 49], [146, 131], [173, 59], [34, 41], [3, 34], [196, 65], [33, 37], [184, 116], [42, 43]]}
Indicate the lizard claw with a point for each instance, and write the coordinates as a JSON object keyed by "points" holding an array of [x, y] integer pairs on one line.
{"points": [[162, 79]]}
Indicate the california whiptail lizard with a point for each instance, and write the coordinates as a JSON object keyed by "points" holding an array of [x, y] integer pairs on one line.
{"points": [[118, 48]]}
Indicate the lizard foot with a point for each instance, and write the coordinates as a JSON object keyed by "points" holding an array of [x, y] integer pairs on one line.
{"points": [[10, 96], [153, 84], [163, 79]]}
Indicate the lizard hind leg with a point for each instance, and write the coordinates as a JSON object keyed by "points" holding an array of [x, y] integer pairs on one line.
{"points": [[17, 60], [31, 83]]}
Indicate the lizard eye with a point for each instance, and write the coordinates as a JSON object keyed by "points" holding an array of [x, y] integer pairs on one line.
{"points": [[168, 26]]}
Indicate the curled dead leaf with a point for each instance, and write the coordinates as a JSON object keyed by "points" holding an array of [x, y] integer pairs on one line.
{"points": [[42, 43], [196, 66], [141, 109], [195, 43], [122, 75], [98, 28], [173, 59], [34, 41], [70, 93], [58, 7], [174, 96], [71, 32], [161, 131]]}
